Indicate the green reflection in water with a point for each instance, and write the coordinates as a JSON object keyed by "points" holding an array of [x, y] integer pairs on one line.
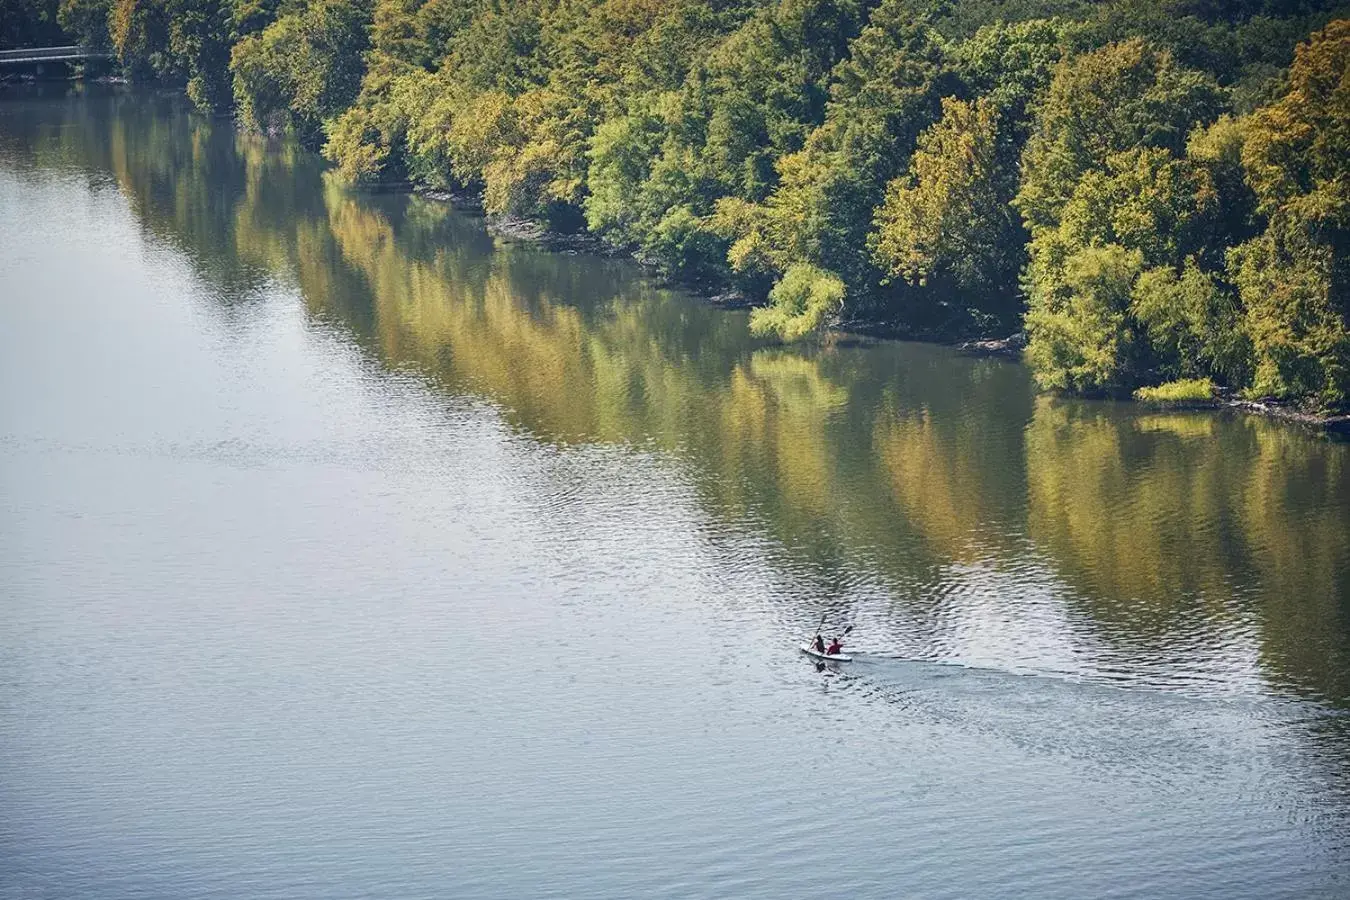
{"points": [[903, 463]]}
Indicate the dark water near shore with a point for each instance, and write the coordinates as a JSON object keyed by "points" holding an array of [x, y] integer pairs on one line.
{"points": [[346, 550]]}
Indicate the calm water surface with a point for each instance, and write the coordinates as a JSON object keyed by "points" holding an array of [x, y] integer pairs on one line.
{"points": [[346, 551]]}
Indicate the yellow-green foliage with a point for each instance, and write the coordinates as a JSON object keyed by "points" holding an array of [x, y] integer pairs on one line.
{"points": [[947, 212], [1294, 280], [1081, 339], [1182, 392], [1122, 96], [303, 68], [801, 303]]}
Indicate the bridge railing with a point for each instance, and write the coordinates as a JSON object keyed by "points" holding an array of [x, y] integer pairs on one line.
{"points": [[44, 54]]}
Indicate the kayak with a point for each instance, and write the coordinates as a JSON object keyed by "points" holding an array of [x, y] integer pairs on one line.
{"points": [[835, 657]]}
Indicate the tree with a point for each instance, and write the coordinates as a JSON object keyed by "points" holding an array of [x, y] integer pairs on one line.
{"points": [[304, 68], [1010, 64], [30, 23], [1193, 324], [180, 41], [1085, 342], [1107, 195], [86, 22], [1295, 278], [885, 94], [1119, 97], [1182, 197], [1301, 345], [950, 214], [745, 103]]}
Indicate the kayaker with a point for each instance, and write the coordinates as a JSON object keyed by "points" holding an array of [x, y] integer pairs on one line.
{"points": [[819, 644], [836, 647]]}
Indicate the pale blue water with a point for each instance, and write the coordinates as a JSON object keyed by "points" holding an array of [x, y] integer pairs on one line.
{"points": [[310, 589]]}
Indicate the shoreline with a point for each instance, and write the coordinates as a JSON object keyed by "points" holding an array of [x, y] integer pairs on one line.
{"points": [[1335, 425], [530, 231]]}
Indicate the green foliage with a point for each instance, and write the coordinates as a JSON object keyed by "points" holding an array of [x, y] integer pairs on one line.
{"points": [[1299, 336], [1183, 392], [884, 95], [418, 33], [1122, 225], [85, 21], [185, 42], [369, 141], [1294, 279], [303, 68], [1151, 206], [1218, 150], [801, 303], [744, 103], [683, 245], [621, 152], [1192, 323], [500, 48], [30, 23], [1080, 338], [1297, 153], [950, 213], [1010, 64], [1111, 100], [264, 74]]}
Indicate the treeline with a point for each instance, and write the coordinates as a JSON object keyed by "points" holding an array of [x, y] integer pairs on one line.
{"points": [[1159, 191]]}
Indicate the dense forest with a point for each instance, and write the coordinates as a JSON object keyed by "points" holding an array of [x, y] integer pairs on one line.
{"points": [[1156, 191]]}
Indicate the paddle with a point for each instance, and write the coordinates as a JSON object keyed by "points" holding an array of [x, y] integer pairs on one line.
{"points": [[812, 642]]}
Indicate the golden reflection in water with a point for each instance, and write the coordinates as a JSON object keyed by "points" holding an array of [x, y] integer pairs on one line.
{"points": [[937, 481], [1111, 500], [1160, 520], [616, 370]]}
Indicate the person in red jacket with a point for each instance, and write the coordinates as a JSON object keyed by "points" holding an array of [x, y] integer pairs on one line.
{"points": [[836, 647]]}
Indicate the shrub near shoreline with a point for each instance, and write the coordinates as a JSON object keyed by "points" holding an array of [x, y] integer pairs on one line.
{"points": [[1184, 392]]}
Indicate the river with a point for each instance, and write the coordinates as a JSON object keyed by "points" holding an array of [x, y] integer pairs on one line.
{"points": [[349, 551]]}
